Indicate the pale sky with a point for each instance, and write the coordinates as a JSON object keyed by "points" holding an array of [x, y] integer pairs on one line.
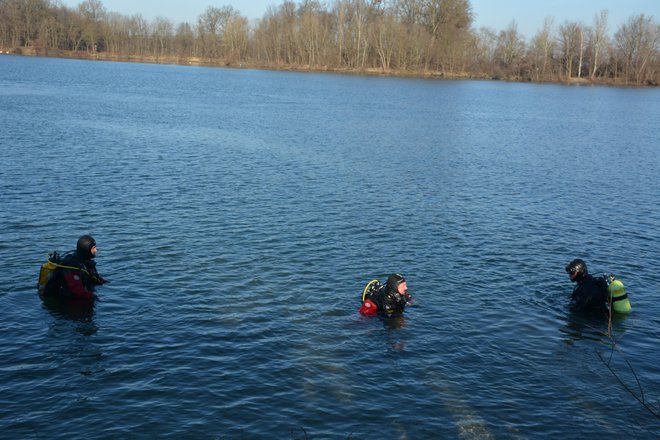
{"points": [[495, 14], [530, 14]]}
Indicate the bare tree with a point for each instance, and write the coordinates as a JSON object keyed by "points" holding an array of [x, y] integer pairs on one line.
{"points": [[71, 26], [235, 37], [287, 16], [569, 41], [448, 22], [409, 12], [92, 14], [542, 49], [416, 36], [510, 49], [32, 13], [268, 37], [162, 34], [138, 29], [310, 30], [184, 40], [598, 40], [340, 11], [352, 21], [50, 31], [484, 48], [115, 36], [212, 25], [638, 43], [581, 51], [385, 37]]}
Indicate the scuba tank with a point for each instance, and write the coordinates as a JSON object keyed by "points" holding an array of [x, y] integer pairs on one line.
{"points": [[618, 296], [369, 307], [47, 269]]}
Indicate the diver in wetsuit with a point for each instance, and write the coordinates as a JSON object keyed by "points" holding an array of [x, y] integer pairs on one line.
{"points": [[393, 298], [590, 294], [76, 276]]}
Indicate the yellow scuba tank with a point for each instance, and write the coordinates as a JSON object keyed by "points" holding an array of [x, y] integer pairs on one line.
{"points": [[618, 296], [46, 271]]}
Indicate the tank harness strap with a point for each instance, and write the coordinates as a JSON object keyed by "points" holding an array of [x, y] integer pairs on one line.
{"points": [[620, 298], [74, 268], [367, 288]]}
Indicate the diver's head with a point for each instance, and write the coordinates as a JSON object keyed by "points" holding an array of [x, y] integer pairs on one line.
{"points": [[576, 269], [397, 283], [86, 247]]}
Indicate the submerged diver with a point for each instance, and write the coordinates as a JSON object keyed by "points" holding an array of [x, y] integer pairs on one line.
{"points": [[73, 276], [385, 300], [590, 295]]}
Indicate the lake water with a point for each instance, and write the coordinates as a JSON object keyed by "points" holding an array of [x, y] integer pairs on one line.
{"points": [[239, 213]]}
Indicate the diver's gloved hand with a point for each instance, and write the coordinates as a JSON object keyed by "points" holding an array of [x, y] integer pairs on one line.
{"points": [[101, 280]]}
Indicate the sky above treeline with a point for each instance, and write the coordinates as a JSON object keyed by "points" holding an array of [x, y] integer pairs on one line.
{"points": [[495, 14]]}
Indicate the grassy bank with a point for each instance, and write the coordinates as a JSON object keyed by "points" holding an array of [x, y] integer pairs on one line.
{"points": [[210, 62]]}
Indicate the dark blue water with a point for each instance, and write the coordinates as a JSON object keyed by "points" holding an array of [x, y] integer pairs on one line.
{"points": [[239, 213]]}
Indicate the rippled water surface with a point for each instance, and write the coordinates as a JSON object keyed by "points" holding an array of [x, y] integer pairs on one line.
{"points": [[239, 213]]}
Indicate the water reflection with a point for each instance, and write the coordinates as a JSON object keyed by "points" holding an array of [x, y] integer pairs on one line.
{"points": [[76, 311], [73, 330], [588, 327], [394, 322], [395, 338]]}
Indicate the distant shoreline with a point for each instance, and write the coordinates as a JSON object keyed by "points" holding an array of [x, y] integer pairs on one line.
{"points": [[208, 62]]}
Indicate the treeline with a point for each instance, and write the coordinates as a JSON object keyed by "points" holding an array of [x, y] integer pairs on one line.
{"points": [[430, 37]]}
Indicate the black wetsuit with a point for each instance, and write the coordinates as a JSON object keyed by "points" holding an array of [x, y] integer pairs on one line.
{"points": [[590, 295], [75, 278], [390, 302]]}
